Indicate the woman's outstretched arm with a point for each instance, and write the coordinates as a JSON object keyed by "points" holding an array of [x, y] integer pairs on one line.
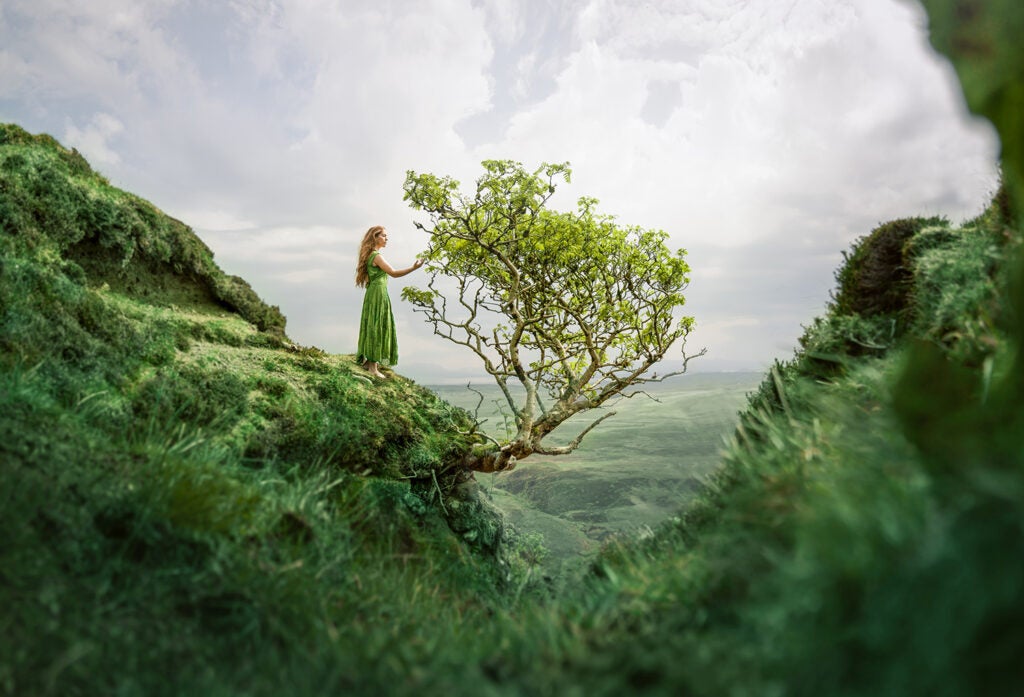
{"points": [[395, 273]]}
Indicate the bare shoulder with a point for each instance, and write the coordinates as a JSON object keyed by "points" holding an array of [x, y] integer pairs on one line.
{"points": [[382, 264]]}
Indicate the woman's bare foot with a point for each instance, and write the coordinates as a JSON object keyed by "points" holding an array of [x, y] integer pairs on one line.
{"points": [[372, 369]]}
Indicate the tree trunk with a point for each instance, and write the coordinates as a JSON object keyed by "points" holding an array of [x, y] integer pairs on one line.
{"points": [[499, 459]]}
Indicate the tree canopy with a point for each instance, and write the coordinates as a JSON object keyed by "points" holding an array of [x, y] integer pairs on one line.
{"points": [[566, 310]]}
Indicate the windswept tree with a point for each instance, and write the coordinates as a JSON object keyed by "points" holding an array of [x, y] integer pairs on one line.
{"points": [[567, 311]]}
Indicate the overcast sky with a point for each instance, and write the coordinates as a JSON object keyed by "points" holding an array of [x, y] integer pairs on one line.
{"points": [[763, 135]]}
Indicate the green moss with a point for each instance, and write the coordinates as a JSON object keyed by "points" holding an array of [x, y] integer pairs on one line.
{"points": [[957, 293]]}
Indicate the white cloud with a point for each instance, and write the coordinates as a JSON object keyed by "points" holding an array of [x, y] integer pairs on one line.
{"points": [[800, 127], [94, 140], [385, 88], [764, 137], [97, 49], [283, 246], [806, 97]]}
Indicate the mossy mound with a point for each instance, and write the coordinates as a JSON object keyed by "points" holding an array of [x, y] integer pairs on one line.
{"points": [[875, 278], [53, 202]]}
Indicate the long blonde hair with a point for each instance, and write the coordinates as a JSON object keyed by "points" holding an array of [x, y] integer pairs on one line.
{"points": [[366, 247]]}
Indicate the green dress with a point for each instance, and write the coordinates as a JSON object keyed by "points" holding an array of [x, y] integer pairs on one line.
{"points": [[378, 340]]}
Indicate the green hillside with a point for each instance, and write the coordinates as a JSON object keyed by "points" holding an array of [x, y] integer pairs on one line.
{"points": [[181, 483], [193, 505]]}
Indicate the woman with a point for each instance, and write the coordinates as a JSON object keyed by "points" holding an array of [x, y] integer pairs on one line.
{"points": [[378, 342]]}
